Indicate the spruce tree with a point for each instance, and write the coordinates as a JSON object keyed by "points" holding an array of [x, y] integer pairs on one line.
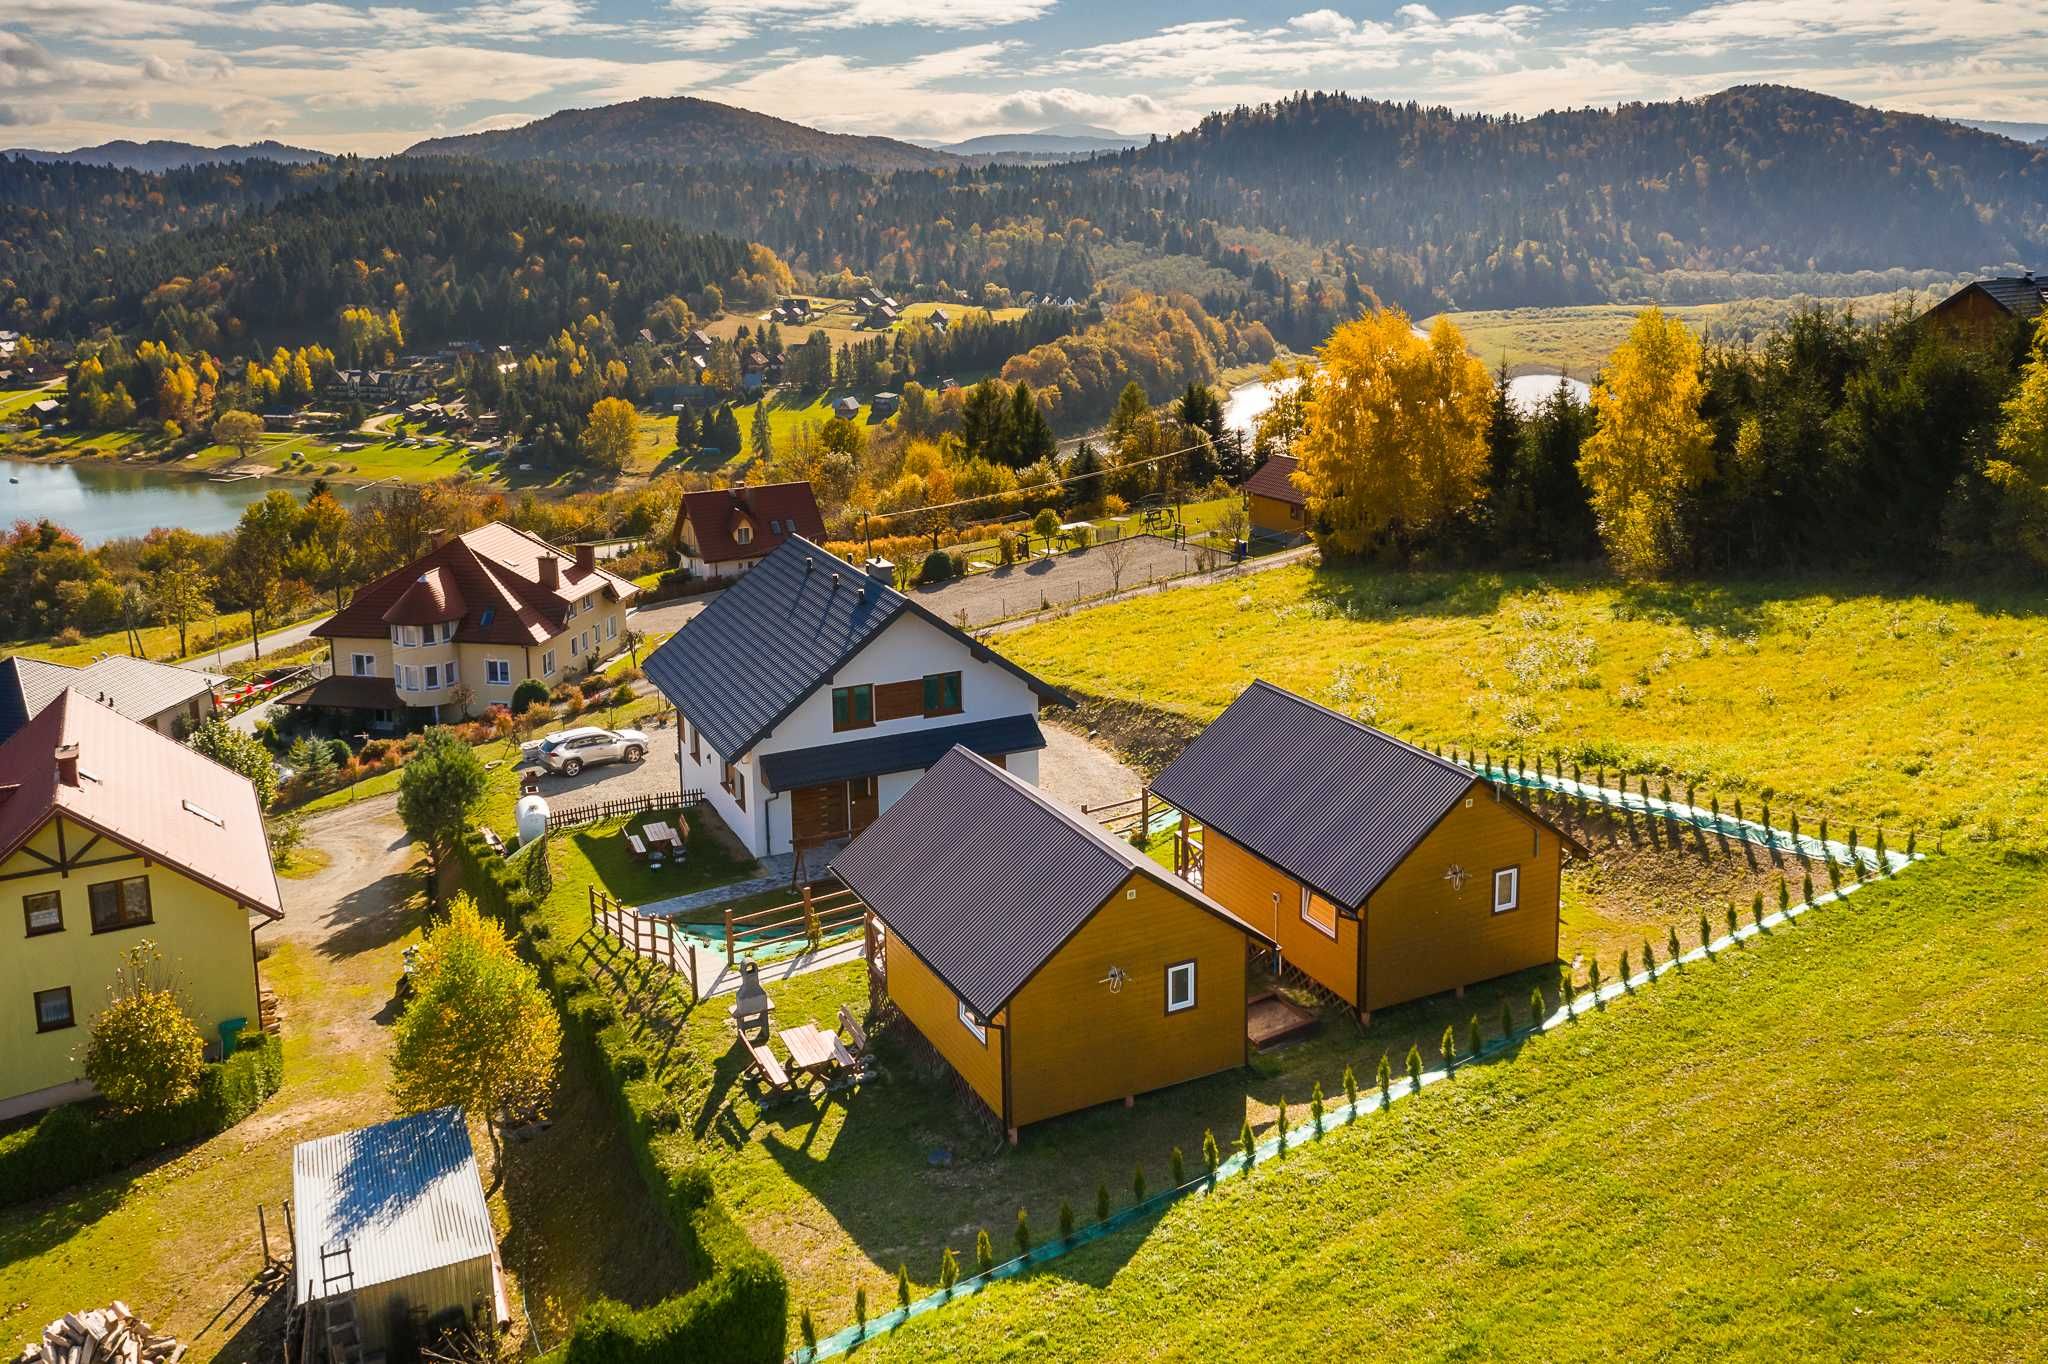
{"points": [[1247, 1144], [1539, 1007], [1315, 1108], [1414, 1066], [949, 1270], [1386, 1080], [1212, 1156], [984, 1252], [1351, 1090]]}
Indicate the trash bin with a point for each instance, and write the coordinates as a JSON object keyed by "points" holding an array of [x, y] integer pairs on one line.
{"points": [[230, 1031]]}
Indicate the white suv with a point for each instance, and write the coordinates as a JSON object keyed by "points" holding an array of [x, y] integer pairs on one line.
{"points": [[575, 749]]}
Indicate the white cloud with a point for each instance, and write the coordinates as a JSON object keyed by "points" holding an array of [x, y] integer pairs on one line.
{"points": [[1033, 108], [155, 68], [1421, 14]]}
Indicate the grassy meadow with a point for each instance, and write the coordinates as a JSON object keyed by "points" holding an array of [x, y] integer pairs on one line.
{"points": [[1821, 1145]]}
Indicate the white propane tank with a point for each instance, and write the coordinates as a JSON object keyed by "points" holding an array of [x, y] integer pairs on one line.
{"points": [[531, 815]]}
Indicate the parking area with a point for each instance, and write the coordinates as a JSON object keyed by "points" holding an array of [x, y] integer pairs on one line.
{"points": [[617, 781], [1044, 583]]}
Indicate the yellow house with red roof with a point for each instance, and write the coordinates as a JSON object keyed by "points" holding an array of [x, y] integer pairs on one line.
{"points": [[112, 835], [470, 620]]}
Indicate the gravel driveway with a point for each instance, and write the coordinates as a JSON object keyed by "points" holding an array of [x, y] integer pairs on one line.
{"points": [[1077, 772]]}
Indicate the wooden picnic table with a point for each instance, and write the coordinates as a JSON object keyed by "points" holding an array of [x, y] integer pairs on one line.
{"points": [[810, 1050], [661, 832]]}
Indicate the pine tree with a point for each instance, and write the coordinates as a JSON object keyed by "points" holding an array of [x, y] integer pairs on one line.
{"points": [[1475, 1039], [1414, 1066], [1247, 1144], [1066, 1220], [1315, 1108], [1386, 1080], [984, 1252], [949, 1270], [1351, 1090], [1137, 1184], [1212, 1156], [1539, 1007], [1177, 1165], [1023, 1236], [764, 448]]}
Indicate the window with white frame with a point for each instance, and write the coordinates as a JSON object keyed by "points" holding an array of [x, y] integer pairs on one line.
{"points": [[547, 664], [611, 627], [575, 645], [973, 1024], [1319, 912], [498, 671], [433, 676], [447, 630], [363, 665], [1180, 987], [454, 672], [1507, 889]]}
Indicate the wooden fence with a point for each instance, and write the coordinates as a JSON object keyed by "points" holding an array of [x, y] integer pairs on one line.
{"points": [[649, 938], [812, 919], [623, 805]]}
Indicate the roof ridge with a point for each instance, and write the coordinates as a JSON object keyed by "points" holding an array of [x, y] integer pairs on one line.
{"points": [[1363, 727]]}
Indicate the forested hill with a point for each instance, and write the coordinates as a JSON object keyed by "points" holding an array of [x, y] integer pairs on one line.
{"points": [[160, 155], [1481, 210], [679, 131], [475, 256]]}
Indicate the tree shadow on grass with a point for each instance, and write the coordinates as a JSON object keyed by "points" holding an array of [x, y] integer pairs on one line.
{"points": [[374, 915], [1356, 591]]}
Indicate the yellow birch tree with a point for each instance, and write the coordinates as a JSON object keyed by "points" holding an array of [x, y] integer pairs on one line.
{"points": [[1393, 436], [1649, 447]]}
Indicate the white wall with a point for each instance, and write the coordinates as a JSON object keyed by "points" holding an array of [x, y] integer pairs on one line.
{"points": [[748, 825]]}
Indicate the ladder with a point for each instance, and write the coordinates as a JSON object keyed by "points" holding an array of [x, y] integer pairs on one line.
{"points": [[338, 1305]]}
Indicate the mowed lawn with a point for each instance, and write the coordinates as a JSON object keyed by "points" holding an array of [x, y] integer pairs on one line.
{"points": [[1916, 710], [1826, 1144]]}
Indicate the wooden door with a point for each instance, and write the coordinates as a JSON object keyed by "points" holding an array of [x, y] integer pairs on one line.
{"points": [[863, 803], [818, 811]]}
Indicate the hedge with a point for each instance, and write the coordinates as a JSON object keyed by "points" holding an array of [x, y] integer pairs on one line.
{"points": [[77, 1142], [739, 1310]]}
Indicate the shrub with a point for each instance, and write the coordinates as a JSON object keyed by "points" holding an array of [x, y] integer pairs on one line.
{"points": [[1806, 888], [1672, 946], [1475, 1040], [1247, 1144], [1212, 1155], [1538, 1007], [1006, 548], [937, 567], [1138, 1184], [1066, 1220], [903, 1285], [1507, 1019], [1649, 959], [530, 692], [1884, 864], [145, 1053], [860, 1307], [1414, 1066], [1023, 1235], [1315, 1108], [1351, 1089], [1386, 1080], [1593, 980], [949, 1270], [1706, 933], [1177, 1165], [1735, 921], [1447, 1047], [595, 686]]}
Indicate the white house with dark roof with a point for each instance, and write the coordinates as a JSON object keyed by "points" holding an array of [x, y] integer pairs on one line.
{"points": [[811, 696], [169, 699]]}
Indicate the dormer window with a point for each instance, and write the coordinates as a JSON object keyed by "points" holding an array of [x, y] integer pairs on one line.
{"points": [[743, 535]]}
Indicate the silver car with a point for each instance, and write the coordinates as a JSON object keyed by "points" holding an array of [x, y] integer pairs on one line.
{"points": [[575, 749]]}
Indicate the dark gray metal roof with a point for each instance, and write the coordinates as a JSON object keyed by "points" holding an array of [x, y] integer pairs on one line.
{"points": [[912, 749], [743, 663], [135, 687], [984, 877], [1332, 802], [404, 1195], [2022, 296]]}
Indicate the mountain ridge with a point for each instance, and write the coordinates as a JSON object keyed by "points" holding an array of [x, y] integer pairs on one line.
{"points": [[679, 130], [162, 154]]}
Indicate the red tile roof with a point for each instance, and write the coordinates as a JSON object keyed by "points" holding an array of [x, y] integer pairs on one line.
{"points": [[493, 573], [1271, 479], [775, 511], [141, 789], [433, 597]]}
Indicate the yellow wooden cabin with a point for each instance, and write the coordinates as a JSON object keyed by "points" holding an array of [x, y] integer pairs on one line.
{"points": [[1277, 509], [1384, 873], [1052, 966], [110, 835]]}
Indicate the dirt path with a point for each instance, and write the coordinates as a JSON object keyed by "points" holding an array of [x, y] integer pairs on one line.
{"points": [[1080, 771]]}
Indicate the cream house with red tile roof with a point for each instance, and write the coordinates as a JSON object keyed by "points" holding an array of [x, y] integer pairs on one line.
{"points": [[112, 835], [478, 614]]}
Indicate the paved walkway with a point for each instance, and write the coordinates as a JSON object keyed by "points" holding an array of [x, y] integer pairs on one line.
{"points": [[775, 874]]}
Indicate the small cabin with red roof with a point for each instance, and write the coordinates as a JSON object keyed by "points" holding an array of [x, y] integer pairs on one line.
{"points": [[723, 532]]}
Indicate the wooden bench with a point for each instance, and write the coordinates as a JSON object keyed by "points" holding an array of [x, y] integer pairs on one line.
{"points": [[854, 1030], [640, 850], [762, 1063], [491, 839]]}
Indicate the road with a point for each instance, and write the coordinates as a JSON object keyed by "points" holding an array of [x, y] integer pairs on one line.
{"points": [[272, 643]]}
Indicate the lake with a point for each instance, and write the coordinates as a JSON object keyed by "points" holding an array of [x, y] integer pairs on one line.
{"points": [[1243, 404], [99, 501]]}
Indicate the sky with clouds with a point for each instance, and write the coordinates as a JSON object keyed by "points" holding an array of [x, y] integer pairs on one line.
{"points": [[372, 76]]}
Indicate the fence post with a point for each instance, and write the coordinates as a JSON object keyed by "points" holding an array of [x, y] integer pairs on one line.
{"points": [[1145, 812], [593, 905], [728, 934]]}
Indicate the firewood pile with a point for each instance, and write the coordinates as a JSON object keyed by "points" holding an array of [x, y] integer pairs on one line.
{"points": [[105, 1335]]}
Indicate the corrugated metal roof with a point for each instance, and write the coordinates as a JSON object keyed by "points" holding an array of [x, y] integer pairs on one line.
{"points": [[2023, 296], [985, 877], [1274, 479], [138, 688], [742, 664], [1331, 802], [913, 748], [404, 1195]]}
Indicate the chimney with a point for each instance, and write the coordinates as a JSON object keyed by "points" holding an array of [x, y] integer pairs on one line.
{"points": [[882, 571], [440, 536], [67, 764], [550, 571], [586, 559]]}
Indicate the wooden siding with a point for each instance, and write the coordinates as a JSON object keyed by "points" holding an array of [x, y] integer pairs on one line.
{"points": [[1077, 1045], [933, 1009], [899, 700], [1280, 518], [1424, 935], [1246, 886]]}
